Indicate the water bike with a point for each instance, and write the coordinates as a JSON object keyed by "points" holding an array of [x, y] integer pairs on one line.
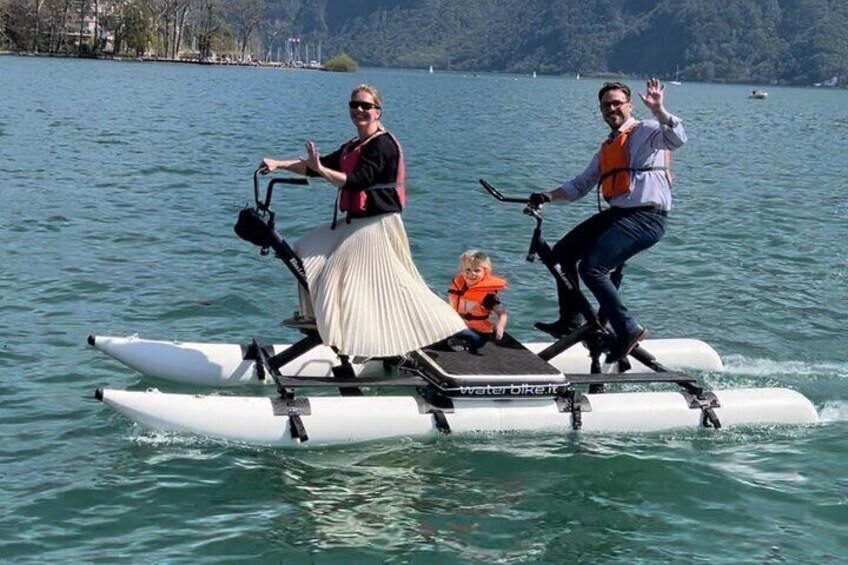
{"points": [[506, 386]]}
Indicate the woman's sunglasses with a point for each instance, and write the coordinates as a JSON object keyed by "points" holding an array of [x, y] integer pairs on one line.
{"points": [[354, 104]]}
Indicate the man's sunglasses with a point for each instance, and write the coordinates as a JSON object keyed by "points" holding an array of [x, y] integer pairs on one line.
{"points": [[613, 104], [354, 104]]}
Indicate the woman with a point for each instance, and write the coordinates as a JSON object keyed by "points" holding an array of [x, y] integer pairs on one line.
{"points": [[365, 293]]}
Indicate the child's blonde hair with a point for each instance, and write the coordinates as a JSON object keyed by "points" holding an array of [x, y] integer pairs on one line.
{"points": [[475, 258]]}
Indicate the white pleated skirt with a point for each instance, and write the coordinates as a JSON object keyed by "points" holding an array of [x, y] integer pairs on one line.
{"points": [[366, 294]]}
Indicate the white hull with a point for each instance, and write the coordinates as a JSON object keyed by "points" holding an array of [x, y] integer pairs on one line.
{"points": [[221, 364], [340, 420]]}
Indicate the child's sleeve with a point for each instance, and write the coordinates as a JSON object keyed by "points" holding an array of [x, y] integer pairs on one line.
{"points": [[490, 301]]}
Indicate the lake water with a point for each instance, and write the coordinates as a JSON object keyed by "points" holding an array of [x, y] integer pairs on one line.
{"points": [[120, 183]]}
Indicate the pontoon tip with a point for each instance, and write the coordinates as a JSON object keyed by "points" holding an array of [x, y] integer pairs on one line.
{"points": [[91, 340], [98, 394]]}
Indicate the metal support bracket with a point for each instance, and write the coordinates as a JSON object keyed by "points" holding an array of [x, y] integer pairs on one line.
{"points": [[706, 402], [293, 408], [574, 403]]}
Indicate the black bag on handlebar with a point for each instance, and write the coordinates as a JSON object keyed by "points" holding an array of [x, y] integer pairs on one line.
{"points": [[252, 227]]}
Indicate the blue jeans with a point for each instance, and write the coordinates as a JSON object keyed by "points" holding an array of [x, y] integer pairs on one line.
{"points": [[601, 245], [474, 339]]}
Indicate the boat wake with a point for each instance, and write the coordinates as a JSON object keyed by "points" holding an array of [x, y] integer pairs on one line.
{"points": [[179, 440], [741, 365], [826, 379], [834, 411]]}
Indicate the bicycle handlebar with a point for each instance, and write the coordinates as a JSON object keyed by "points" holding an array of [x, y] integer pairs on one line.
{"points": [[529, 209], [270, 190]]}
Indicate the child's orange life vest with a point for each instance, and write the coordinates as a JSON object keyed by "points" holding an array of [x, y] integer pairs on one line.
{"points": [[468, 301]]}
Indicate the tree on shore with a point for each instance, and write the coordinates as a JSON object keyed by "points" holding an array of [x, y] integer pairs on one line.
{"points": [[246, 16], [208, 27], [342, 63], [171, 16], [133, 28]]}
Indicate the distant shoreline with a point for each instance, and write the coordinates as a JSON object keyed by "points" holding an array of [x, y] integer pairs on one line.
{"points": [[279, 65], [130, 59]]}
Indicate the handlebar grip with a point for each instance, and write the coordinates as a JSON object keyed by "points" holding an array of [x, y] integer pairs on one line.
{"points": [[290, 180]]}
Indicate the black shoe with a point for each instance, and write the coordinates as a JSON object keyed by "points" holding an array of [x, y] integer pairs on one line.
{"points": [[622, 347], [561, 327], [458, 343]]}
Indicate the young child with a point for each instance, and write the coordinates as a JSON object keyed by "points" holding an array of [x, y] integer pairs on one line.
{"points": [[474, 295]]}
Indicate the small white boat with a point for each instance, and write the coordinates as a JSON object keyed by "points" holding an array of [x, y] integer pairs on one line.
{"points": [[758, 95], [676, 81]]}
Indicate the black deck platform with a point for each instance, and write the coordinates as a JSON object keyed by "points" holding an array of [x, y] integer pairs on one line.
{"points": [[504, 358], [504, 368]]}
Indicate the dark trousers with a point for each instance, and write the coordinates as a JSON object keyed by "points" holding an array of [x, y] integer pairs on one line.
{"points": [[601, 245], [475, 339]]}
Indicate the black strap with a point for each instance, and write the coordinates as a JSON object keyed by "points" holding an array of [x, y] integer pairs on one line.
{"points": [[570, 401], [336, 210], [709, 419], [615, 171], [441, 421], [576, 412], [468, 316], [348, 215], [293, 408], [297, 429]]}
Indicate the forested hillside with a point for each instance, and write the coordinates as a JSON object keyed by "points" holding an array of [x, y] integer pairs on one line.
{"points": [[783, 41], [790, 41]]}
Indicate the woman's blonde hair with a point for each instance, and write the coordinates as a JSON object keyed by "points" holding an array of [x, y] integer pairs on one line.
{"points": [[372, 90], [475, 258]]}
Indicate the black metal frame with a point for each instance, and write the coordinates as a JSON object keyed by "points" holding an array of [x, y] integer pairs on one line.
{"points": [[263, 218], [436, 393], [594, 332]]}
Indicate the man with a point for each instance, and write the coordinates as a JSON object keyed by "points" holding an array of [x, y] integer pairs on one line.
{"points": [[632, 171]]}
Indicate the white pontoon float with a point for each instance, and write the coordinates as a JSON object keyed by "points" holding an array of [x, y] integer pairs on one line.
{"points": [[232, 364], [506, 387]]}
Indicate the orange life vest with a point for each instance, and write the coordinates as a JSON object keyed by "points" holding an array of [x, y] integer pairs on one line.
{"points": [[468, 301], [355, 202], [616, 172]]}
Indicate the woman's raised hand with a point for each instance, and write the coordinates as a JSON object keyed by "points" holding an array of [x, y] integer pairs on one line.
{"points": [[313, 159]]}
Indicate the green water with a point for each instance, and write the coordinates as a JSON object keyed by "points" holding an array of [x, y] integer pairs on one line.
{"points": [[120, 183]]}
